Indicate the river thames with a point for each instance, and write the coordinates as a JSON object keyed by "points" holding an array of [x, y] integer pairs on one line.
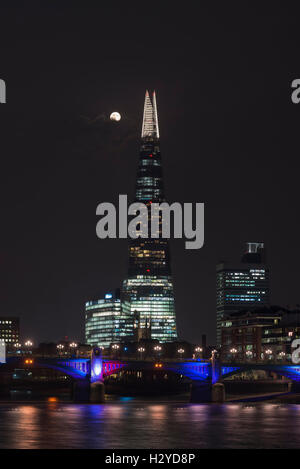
{"points": [[143, 424]]}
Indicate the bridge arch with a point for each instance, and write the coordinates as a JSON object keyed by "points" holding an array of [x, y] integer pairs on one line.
{"points": [[288, 371], [195, 371], [75, 368], [111, 367]]}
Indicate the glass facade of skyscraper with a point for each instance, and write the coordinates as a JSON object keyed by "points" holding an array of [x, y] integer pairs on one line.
{"points": [[148, 290], [105, 323], [152, 297], [243, 286]]}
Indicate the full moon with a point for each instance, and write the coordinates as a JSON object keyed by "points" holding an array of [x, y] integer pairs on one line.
{"points": [[115, 116]]}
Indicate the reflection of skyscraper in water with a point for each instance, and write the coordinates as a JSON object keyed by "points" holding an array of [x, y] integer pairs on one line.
{"points": [[148, 290], [243, 285]]}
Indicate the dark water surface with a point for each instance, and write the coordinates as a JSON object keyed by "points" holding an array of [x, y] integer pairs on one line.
{"points": [[144, 424]]}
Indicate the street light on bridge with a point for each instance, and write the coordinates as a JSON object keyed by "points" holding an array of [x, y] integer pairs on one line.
{"points": [[141, 350], [269, 353], [181, 352], [60, 348], [28, 343], [233, 352], [115, 348], [198, 350], [72, 347]]}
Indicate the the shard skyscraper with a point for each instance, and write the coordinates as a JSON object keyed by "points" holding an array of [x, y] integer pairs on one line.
{"points": [[148, 290]]}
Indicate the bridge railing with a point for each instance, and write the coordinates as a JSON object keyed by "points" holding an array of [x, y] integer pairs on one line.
{"points": [[258, 362], [155, 359]]}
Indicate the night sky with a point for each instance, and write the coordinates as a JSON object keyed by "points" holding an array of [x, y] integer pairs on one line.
{"points": [[229, 138]]}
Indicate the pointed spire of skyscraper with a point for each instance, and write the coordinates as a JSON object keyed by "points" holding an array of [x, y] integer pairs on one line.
{"points": [[150, 119], [148, 290]]}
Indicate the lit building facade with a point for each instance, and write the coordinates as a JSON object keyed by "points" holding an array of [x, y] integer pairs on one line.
{"points": [[148, 290], [10, 329], [105, 323], [242, 333], [277, 340], [242, 286]]}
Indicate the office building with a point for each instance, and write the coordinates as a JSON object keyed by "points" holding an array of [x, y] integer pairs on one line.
{"points": [[10, 329], [242, 333], [105, 322], [277, 339], [243, 285], [148, 290]]}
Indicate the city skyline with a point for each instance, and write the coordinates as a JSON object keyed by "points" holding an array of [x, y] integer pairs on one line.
{"points": [[149, 242], [145, 308], [64, 156]]}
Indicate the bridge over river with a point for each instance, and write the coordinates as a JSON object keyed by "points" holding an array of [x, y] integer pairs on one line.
{"points": [[88, 374]]}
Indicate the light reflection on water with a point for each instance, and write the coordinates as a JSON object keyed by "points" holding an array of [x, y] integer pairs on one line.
{"points": [[144, 424]]}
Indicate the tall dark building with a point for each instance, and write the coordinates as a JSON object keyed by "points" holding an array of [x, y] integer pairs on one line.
{"points": [[10, 329], [148, 290], [242, 286]]}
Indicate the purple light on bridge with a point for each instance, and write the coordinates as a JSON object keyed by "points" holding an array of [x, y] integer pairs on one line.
{"points": [[96, 365], [96, 371]]}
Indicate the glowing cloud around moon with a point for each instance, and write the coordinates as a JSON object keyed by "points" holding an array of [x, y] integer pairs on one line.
{"points": [[115, 116]]}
